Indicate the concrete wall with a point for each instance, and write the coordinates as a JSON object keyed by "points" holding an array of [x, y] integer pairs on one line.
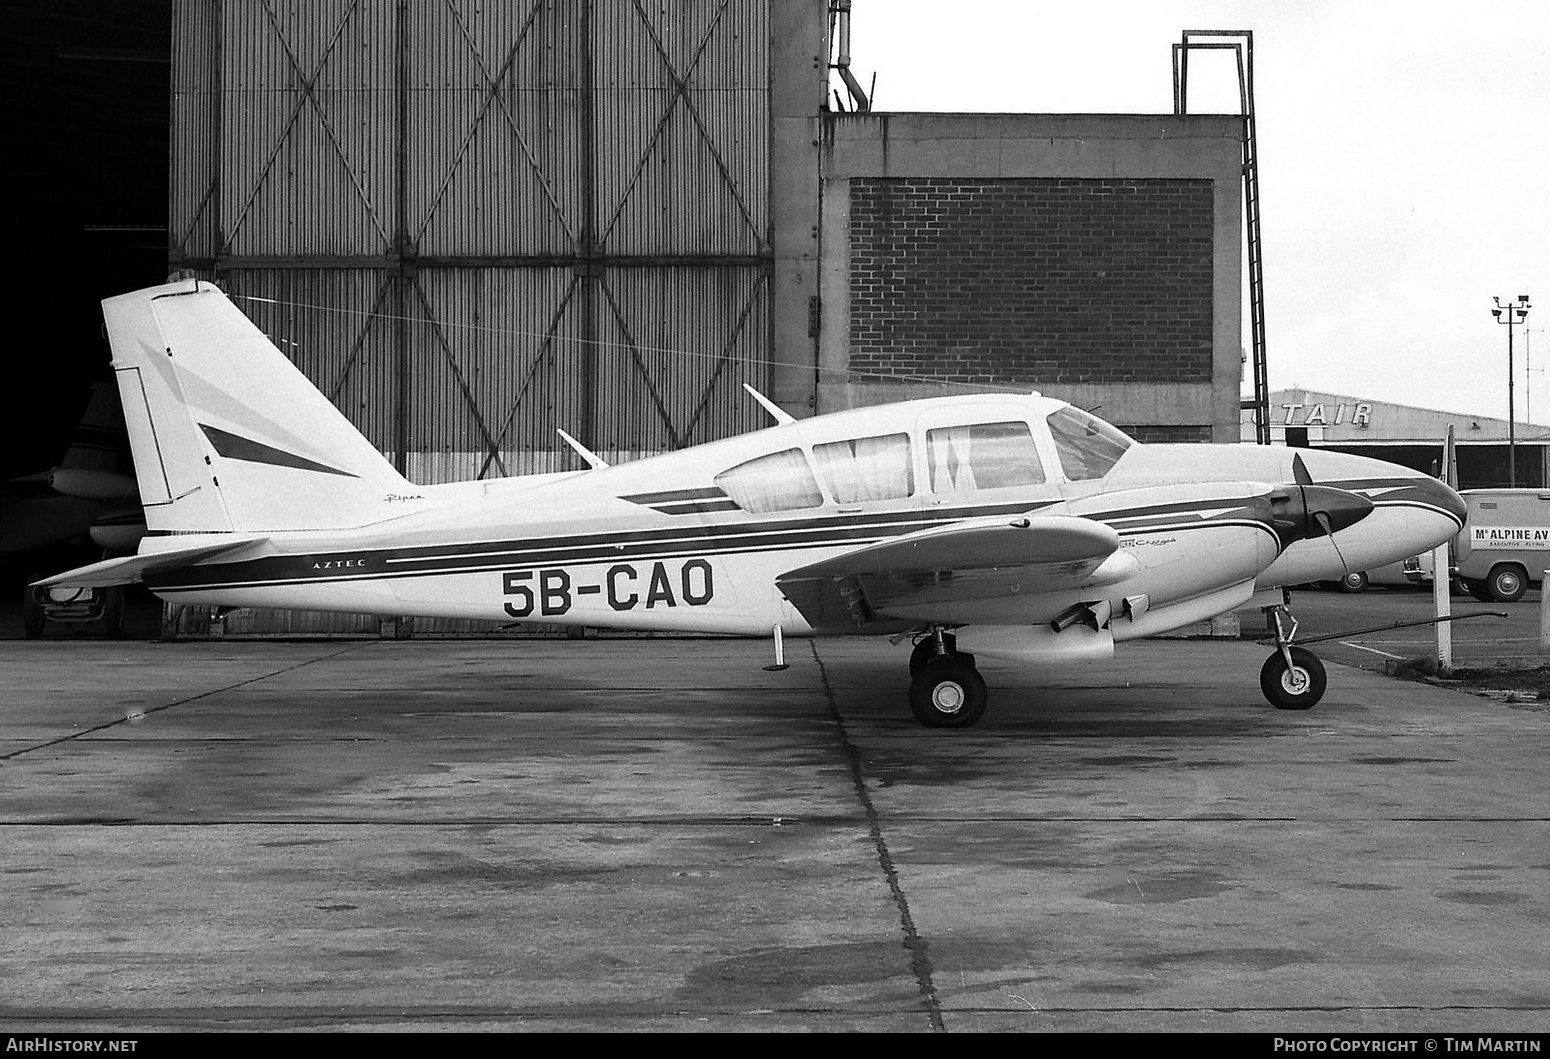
{"points": [[1095, 258], [799, 88]]}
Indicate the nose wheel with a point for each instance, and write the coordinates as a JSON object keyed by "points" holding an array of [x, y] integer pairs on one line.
{"points": [[1294, 685], [1293, 678]]}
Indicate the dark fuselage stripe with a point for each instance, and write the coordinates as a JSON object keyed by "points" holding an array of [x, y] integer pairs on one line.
{"points": [[675, 495], [695, 507]]}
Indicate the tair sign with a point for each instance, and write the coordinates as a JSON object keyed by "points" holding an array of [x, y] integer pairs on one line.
{"points": [[1357, 413]]}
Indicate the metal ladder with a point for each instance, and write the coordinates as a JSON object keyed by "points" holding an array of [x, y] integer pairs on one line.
{"points": [[1241, 42]]}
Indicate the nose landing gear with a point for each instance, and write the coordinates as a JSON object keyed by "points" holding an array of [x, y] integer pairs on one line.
{"points": [[1293, 678]]}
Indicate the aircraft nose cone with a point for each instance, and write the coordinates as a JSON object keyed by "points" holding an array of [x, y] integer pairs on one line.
{"points": [[1445, 499], [1331, 510]]}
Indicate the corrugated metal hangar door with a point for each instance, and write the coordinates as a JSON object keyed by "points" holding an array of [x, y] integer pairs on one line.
{"points": [[471, 224]]}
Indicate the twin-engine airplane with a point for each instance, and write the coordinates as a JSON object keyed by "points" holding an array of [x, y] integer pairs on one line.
{"points": [[1011, 526]]}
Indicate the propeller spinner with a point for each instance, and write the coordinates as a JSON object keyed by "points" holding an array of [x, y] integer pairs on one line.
{"points": [[1304, 510]]}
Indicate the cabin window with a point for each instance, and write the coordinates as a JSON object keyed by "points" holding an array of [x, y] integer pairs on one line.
{"points": [[982, 456], [1087, 445], [866, 468], [781, 481]]}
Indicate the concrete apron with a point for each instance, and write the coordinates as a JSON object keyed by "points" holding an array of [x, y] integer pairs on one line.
{"points": [[661, 835]]}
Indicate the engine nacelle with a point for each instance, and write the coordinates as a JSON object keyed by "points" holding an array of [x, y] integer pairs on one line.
{"points": [[92, 485], [1037, 645], [118, 530]]}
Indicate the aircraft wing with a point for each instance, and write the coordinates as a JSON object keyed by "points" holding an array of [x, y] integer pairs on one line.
{"points": [[131, 568], [979, 559]]}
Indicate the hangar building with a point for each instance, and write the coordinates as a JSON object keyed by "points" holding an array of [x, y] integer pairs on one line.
{"points": [[1411, 437], [474, 225]]}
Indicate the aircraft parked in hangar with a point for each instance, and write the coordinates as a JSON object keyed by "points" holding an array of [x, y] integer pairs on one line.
{"points": [[86, 498], [1012, 526]]}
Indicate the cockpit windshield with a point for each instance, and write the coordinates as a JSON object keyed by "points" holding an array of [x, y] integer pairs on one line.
{"points": [[1087, 445]]}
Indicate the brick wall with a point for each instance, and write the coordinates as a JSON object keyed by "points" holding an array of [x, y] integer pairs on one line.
{"points": [[1170, 434], [1031, 281]]}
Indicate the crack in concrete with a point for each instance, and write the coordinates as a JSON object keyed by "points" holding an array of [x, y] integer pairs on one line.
{"points": [[920, 961], [139, 715]]}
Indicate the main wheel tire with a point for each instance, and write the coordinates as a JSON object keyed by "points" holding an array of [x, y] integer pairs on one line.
{"points": [[1506, 583], [1298, 688], [948, 693], [1476, 589], [1355, 581]]}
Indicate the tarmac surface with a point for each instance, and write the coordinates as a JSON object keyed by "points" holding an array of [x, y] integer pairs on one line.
{"points": [[662, 835]]}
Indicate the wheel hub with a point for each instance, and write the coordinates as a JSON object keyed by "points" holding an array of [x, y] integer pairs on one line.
{"points": [[1295, 680], [948, 697]]}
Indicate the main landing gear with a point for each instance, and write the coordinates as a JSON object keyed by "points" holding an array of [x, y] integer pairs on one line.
{"points": [[946, 691], [1292, 678]]}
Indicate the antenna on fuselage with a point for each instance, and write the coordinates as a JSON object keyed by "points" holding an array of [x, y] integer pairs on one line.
{"points": [[595, 461], [781, 415]]}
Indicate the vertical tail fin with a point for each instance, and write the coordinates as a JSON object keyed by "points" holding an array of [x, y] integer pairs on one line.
{"points": [[99, 442], [227, 434]]}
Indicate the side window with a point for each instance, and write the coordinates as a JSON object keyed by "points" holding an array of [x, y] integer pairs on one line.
{"points": [[781, 481], [1087, 445], [867, 468], [982, 456]]}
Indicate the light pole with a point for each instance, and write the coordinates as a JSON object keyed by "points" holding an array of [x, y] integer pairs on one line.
{"points": [[1511, 314]]}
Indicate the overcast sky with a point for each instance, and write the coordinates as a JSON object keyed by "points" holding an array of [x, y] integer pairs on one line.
{"points": [[1404, 161]]}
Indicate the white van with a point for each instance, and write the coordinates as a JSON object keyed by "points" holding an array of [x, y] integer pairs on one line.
{"points": [[1505, 544]]}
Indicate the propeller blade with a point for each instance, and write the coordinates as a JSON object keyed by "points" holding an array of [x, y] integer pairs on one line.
{"points": [[1322, 518], [1300, 473]]}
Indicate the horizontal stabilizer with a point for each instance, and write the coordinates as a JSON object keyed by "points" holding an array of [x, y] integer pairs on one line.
{"points": [[128, 569]]}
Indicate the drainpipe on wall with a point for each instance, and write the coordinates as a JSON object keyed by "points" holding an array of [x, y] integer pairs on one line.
{"points": [[839, 33]]}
